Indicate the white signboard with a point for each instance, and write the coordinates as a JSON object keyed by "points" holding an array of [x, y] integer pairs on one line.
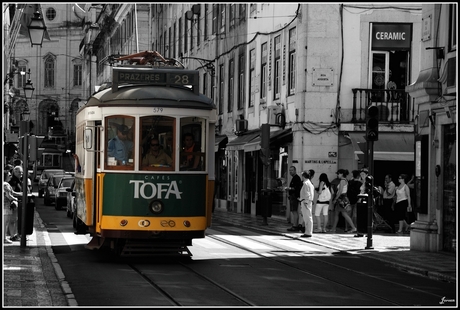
{"points": [[323, 77]]}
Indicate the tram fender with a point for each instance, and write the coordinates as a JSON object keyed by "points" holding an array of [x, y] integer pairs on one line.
{"points": [[95, 243]]}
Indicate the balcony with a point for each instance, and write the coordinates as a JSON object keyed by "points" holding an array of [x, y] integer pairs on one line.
{"points": [[395, 105]]}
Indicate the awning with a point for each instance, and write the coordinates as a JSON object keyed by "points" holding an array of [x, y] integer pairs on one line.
{"points": [[395, 146], [220, 142], [239, 142], [276, 137]]}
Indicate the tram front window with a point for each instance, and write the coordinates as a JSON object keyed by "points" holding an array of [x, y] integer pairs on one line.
{"points": [[158, 134], [120, 148], [192, 156]]}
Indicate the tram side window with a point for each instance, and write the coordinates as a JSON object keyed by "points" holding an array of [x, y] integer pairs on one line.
{"points": [[192, 156], [120, 146], [157, 149]]}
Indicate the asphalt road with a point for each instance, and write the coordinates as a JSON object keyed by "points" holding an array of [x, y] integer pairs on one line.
{"points": [[233, 266]]}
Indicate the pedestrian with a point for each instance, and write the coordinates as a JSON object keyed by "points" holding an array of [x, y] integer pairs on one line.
{"points": [[389, 193], [307, 194], [16, 185], [341, 202], [364, 173], [10, 203], [322, 204], [354, 189], [334, 186], [411, 215], [190, 158], [293, 194], [403, 204]]}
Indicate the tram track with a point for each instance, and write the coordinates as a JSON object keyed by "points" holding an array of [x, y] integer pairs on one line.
{"points": [[169, 291], [317, 258]]}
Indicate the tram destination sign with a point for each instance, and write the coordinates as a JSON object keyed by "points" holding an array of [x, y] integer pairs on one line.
{"points": [[159, 77]]}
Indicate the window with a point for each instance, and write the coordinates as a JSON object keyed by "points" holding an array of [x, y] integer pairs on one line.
{"points": [[453, 27], [231, 17], [193, 141], [276, 78], [242, 13], [222, 18], [263, 72], [241, 93], [77, 74], [170, 49], [205, 31], [49, 72], [192, 39], [50, 14], [212, 88], [221, 89], [156, 151], [292, 61], [198, 30], [174, 42], [180, 37], [252, 76], [215, 12], [231, 86], [205, 80], [185, 35], [120, 137]]}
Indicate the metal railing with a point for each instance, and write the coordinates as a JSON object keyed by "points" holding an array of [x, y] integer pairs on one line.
{"points": [[395, 105]]}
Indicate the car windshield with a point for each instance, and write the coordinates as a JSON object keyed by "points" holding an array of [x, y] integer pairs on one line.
{"points": [[57, 179], [66, 183]]}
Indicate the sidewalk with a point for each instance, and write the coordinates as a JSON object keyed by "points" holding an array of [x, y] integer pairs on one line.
{"points": [[32, 276], [390, 248]]}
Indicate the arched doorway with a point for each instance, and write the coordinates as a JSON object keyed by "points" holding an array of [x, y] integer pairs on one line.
{"points": [[48, 116]]}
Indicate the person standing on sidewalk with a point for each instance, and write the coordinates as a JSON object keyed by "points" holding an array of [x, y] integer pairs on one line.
{"points": [[9, 199], [322, 204], [307, 194], [16, 184], [354, 186], [294, 193], [388, 202], [402, 205]]}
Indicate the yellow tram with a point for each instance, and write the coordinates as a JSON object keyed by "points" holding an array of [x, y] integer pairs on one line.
{"points": [[145, 149]]}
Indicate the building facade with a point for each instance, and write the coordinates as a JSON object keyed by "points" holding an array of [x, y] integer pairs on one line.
{"points": [[435, 94], [309, 71], [55, 69]]}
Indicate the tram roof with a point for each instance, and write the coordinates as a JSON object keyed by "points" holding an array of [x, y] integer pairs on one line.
{"points": [[148, 95]]}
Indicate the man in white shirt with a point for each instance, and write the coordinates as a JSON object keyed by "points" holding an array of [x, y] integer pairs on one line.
{"points": [[307, 194]]}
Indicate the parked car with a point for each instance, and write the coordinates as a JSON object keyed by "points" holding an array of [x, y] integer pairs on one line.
{"points": [[43, 180], [71, 206], [61, 192], [51, 186]]}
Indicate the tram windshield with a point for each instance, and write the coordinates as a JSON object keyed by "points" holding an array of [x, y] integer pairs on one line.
{"points": [[120, 137], [157, 143]]}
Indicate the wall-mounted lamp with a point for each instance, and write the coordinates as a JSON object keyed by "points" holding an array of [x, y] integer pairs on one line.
{"points": [[36, 29], [432, 118]]}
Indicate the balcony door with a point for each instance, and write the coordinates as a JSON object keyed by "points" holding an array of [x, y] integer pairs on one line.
{"points": [[380, 70]]}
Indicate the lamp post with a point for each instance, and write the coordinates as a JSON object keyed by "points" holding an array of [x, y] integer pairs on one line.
{"points": [[36, 29]]}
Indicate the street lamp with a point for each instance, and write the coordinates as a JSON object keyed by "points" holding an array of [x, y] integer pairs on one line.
{"points": [[36, 29], [29, 88]]}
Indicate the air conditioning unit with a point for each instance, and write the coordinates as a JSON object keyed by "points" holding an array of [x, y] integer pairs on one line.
{"points": [[274, 115], [241, 125]]}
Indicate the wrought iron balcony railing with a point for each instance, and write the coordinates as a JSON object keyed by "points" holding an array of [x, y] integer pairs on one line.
{"points": [[395, 105]]}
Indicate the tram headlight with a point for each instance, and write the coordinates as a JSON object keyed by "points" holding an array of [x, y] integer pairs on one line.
{"points": [[156, 206]]}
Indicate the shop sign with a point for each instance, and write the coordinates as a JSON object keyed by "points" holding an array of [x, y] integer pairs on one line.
{"points": [[391, 36]]}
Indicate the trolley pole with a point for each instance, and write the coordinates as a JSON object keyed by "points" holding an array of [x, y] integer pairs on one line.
{"points": [[24, 131]]}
